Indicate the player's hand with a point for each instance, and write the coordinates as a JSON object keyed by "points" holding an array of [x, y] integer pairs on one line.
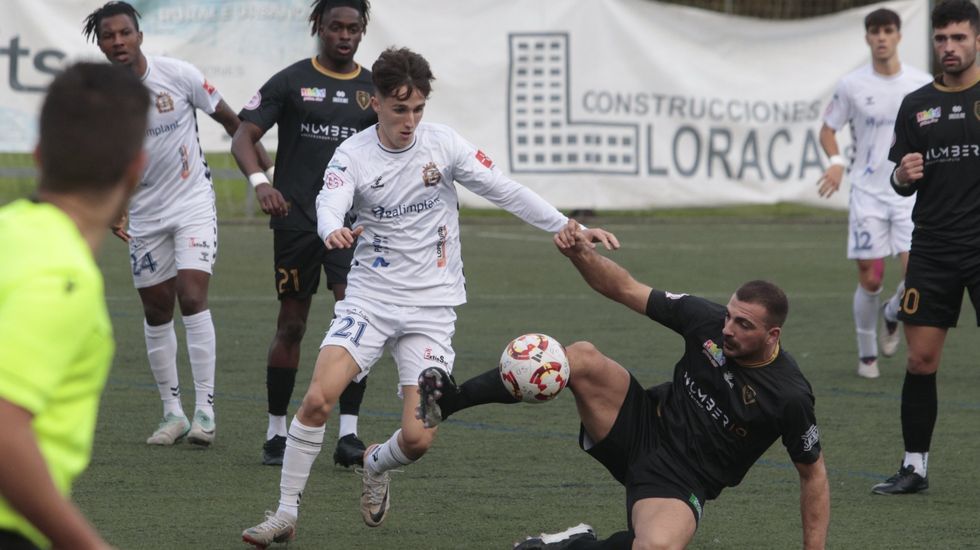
{"points": [[118, 228], [829, 183], [571, 240], [344, 237], [911, 168], [271, 200], [598, 235]]}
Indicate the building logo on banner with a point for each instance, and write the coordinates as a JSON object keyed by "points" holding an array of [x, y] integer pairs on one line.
{"points": [[695, 136]]}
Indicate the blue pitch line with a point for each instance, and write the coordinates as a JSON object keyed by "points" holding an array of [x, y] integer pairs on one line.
{"points": [[547, 434]]}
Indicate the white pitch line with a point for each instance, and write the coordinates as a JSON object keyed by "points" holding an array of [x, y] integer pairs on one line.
{"points": [[648, 245]]}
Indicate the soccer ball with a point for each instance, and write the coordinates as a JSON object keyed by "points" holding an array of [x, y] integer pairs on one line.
{"points": [[534, 368]]}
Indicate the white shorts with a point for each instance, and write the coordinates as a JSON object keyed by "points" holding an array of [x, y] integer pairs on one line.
{"points": [[419, 337], [877, 229], [157, 254]]}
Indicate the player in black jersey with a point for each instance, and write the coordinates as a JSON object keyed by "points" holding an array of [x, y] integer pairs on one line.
{"points": [[676, 445], [317, 103], [937, 153]]}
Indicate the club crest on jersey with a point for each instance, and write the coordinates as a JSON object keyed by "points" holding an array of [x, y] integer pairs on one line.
{"points": [[929, 116], [713, 353], [431, 174], [363, 99], [164, 103], [749, 395]]}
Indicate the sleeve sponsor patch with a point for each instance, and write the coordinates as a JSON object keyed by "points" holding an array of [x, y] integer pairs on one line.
{"points": [[483, 159], [810, 438], [333, 181], [208, 87], [254, 102]]}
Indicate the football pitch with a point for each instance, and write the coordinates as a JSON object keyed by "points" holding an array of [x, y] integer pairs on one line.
{"points": [[498, 473]]}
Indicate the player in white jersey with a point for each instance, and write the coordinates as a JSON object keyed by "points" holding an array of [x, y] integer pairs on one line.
{"points": [[173, 231], [398, 177], [879, 221]]}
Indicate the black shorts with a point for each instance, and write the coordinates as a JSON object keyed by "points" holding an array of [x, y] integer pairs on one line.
{"points": [[633, 453], [299, 255], [934, 285]]}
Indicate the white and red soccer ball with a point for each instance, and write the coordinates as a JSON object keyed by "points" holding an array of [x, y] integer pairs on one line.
{"points": [[534, 368]]}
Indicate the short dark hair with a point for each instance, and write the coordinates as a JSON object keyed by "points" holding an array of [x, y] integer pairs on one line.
{"points": [[91, 25], [954, 11], [320, 7], [882, 17], [93, 121], [398, 68], [768, 296]]}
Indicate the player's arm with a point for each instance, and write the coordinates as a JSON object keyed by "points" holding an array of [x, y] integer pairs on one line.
{"points": [[227, 118], [245, 147], [830, 182], [26, 484], [814, 503], [334, 201], [602, 274]]}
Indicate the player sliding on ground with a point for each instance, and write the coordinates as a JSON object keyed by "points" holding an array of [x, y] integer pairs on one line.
{"points": [[407, 277], [676, 445]]}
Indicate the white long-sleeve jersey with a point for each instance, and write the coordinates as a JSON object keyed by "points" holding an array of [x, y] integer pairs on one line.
{"points": [[407, 203]]}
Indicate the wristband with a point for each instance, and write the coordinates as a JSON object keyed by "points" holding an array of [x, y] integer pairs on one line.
{"points": [[270, 172], [895, 181], [837, 160], [258, 179]]}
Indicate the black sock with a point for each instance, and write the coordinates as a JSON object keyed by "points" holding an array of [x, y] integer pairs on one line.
{"points": [[350, 400], [919, 405], [622, 540], [479, 390], [279, 389]]}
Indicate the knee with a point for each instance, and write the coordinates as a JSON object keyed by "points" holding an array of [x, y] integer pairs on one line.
{"points": [[192, 304], [922, 363], [581, 355], [653, 541], [315, 408], [415, 443], [291, 331], [870, 276], [157, 314]]}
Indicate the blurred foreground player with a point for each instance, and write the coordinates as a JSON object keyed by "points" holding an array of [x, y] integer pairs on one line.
{"points": [[55, 335]]}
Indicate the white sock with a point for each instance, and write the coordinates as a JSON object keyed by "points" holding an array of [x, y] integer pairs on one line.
{"points": [[919, 461], [866, 321], [277, 426], [387, 456], [161, 350], [895, 302], [348, 424], [200, 350], [302, 447]]}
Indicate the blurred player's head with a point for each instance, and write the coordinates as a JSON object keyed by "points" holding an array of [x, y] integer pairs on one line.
{"points": [[115, 29], [754, 320], [955, 25], [402, 83], [92, 125], [882, 33], [340, 24]]}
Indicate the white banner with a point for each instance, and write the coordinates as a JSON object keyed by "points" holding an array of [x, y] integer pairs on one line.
{"points": [[592, 103]]}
